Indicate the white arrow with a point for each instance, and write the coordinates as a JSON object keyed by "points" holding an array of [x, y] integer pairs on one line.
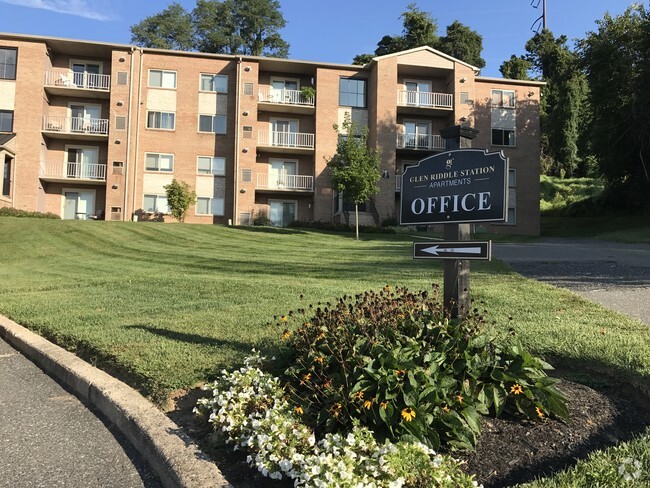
{"points": [[464, 250]]}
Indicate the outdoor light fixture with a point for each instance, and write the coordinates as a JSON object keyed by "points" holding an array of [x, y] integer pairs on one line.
{"points": [[245, 150], [245, 113], [247, 68], [385, 174], [463, 80]]}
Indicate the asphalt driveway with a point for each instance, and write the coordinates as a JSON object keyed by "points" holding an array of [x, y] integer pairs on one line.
{"points": [[614, 274]]}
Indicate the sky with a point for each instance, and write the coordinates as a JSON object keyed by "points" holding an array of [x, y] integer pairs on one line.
{"points": [[326, 31]]}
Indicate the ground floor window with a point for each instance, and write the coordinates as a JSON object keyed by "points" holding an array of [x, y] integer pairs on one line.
{"points": [[155, 204], [6, 178], [210, 206], [78, 204]]}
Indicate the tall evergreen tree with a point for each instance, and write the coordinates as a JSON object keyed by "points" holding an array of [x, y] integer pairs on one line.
{"points": [[463, 43], [169, 29], [515, 68]]}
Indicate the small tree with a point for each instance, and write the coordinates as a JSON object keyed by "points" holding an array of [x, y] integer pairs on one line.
{"points": [[179, 198], [354, 167]]}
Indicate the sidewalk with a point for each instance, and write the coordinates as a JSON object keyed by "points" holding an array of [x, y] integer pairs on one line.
{"points": [[48, 438]]}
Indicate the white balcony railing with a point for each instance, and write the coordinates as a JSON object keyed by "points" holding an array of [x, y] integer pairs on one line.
{"points": [[67, 170], [69, 79], [422, 142], [78, 125], [424, 99], [296, 140], [285, 182], [287, 97]]}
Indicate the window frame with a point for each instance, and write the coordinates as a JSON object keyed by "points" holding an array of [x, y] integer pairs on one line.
{"points": [[162, 73], [156, 197], [173, 117], [158, 169], [213, 171], [503, 131], [211, 201], [501, 104], [15, 65], [213, 76], [213, 124], [7, 168], [365, 92], [13, 115]]}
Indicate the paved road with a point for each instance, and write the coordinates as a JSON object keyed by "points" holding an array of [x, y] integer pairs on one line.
{"points": [[49, 439], [613, 274]]}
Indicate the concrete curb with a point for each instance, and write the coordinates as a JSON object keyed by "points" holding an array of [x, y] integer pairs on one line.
{"points": [[173, 456]]}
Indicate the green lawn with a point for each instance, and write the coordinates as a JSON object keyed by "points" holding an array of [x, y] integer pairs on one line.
{"points": [[165, 306]]}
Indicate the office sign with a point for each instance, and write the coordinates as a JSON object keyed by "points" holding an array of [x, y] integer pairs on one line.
{"points": [[453, 250], [460, 186]]}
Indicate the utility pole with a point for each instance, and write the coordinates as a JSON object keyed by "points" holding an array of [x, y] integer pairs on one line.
{"points": [[541, 20]]}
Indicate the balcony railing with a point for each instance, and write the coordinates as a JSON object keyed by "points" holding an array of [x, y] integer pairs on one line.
{"points": [[79, 125], [285, 182], [68, 170], [422, 142], [69, 79], [424, 99], [287, 97], [296, 140]]}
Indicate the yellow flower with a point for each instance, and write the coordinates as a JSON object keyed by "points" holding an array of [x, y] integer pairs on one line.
{"points": [[299, 410], [400, 373], [445, 409], [320, 336], [383, 405], [335, 409], [319, 359], [368, 404], [284, 318], [540, 414], [286, 335], [328, 383], [516, 389], [408, 414], [459, 398], [358, 395], [305, 378]]}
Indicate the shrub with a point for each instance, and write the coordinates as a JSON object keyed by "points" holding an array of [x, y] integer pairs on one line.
{"points": [[249, 409], [391, 221], [262, 219], [179, 198], [14, 212], [397, 363]]}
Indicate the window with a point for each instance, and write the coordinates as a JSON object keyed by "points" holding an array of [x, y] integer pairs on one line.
{"points": [[212, 123], [159, 162], [161, 120], [352, 92], [8, 56], [6, 120], [155, 204], [214, 83], [207, 165], [503, 137], [6, 178], [162, 79], [209, 206], [503, 98]]}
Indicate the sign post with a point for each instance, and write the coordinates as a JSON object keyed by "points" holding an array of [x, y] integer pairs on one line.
{"points": [[455, 188]]}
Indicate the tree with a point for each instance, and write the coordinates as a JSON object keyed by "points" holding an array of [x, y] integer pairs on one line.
{"points": [[516, 68], [249, 27], [179, 198], [355, 167], [170, 29], [617, 63], [563, 107], [463, 43]]}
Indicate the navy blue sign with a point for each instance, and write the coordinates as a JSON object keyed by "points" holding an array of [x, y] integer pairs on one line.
{"points": [[464, 185]]}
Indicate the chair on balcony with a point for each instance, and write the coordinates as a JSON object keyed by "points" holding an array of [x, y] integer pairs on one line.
{"points": [[62, 80]]}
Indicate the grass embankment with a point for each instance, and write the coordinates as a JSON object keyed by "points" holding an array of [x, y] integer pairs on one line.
{"points": [[167, 306]]}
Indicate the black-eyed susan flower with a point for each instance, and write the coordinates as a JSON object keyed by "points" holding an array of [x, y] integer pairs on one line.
{"points": [[459, 399], [516, 389], [383, 405], [540, 414], [336, 409], [408, 414], [358, 395], [368, 404], [299, 410]]}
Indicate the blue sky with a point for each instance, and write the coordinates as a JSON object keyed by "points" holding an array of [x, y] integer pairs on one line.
{"points": [[331, 31]]}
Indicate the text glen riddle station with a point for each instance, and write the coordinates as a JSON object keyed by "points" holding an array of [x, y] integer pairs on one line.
{"points": [[466, 185]]}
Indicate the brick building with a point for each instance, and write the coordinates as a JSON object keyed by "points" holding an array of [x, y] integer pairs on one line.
{"points": [[95, 130]]}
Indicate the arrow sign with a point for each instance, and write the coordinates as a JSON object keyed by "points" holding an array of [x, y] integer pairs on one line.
{"points": [[453, 250]]}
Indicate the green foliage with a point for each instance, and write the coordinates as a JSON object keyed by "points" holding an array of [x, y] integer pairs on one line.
{"points": [[169, 29], [14, 212], [249, 27], [463, 43], [179, 198], [617, 63], [561, 196], [420, 29], [334, 227], [516, 68], [308, 92], [394, 361], [262, 219]]}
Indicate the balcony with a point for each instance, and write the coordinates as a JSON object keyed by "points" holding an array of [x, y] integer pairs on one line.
{"points": [[69, 84], [417, 102], [420, 142], [60, 171], [286, 142], [282, 182], [288, 101], [75, 128]]}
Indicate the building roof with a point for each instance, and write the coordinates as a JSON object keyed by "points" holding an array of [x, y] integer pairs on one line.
{"points": [[429, 49]]}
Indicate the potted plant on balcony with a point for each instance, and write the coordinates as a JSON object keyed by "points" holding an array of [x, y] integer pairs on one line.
{"points": [[308, 92]]}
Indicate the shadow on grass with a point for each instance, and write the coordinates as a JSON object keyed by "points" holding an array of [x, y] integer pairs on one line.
{"points": [[193, 338], [269, 230]]}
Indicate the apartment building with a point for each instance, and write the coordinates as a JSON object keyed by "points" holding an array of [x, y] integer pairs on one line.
{"points": [[96, 130]]}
